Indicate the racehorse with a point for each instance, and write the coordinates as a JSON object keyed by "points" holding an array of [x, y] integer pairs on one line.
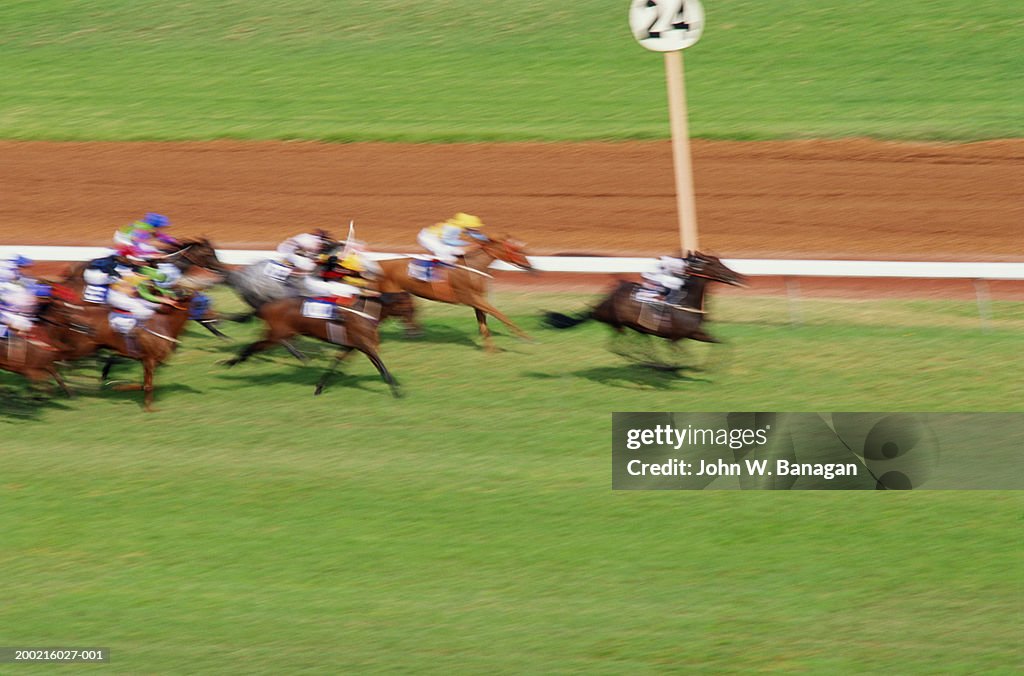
{"points": [[622, 310], [30, 358], [153, 342], [267, 280], [352, 328], [463, 284], [186, 255]]}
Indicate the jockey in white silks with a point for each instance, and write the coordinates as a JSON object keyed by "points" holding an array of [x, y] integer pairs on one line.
{"points": [[301, 252], [667, 278], [446, 239], [19, 296]]}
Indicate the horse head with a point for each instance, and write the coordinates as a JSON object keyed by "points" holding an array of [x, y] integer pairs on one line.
{"points": [[699, 264], [508, 250], [198, 253]]}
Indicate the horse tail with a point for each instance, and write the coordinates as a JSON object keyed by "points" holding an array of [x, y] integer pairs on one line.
{"points": [[557, 320]]}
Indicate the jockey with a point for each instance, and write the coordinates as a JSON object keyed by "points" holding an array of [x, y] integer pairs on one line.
{"points": [[136, 289], [667, 279], [11, 268], [445, 240], [344, 275], [147, 231], [19, 297], [302, 251]]}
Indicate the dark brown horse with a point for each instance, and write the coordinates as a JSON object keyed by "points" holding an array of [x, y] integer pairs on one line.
{"points": [[351, 328], [622, 310], [465, 284]]}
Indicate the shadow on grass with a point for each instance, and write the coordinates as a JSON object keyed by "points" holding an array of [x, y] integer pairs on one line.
{"points": [[308, 376], [631, 376], [20, 403], [439, 334]]}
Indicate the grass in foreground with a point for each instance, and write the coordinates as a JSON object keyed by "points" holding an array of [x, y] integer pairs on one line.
{"points": [[470, 526], [462, 70]]}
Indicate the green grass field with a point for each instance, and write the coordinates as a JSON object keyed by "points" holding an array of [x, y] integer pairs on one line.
{"points": [[250, 527], [493, 70]]}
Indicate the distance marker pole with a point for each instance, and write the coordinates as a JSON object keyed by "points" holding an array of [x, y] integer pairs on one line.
{"points": [[685, 200]]}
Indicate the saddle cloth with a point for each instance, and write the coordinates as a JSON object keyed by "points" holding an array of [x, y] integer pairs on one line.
{"points": [[319, 308], [121, 321], [277, 271], [426, 269], [645, 295]]}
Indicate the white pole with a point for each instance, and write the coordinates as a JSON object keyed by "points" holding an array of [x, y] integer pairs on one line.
{"points": [[685, 202]]}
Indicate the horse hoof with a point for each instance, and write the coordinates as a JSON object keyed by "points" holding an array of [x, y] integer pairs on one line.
{"points": [[319, 389]]}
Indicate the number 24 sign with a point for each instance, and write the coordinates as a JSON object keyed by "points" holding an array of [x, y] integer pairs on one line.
{"points": [[666, 25]]}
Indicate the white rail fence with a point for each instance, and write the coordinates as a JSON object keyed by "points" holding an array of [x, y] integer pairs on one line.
{"points": [[791, 270]]}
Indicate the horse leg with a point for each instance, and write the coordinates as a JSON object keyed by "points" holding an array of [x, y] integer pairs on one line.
{"points": [[295, 352], [413, 329], [250, 350], [383, 370], [338, 358], [148, 367], [497, 314], [239, 317], [107, 365], [55, 374], [703, 337], [211, 326], [481, 320]]}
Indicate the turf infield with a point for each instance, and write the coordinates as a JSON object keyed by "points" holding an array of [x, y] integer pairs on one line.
{"points": [[470, 526]]}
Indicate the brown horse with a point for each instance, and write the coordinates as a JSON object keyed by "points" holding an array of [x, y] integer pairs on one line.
{"points": [[151, 344], [33, 359], [352, 328], [621, 309], [464, 284], [187, 255]]}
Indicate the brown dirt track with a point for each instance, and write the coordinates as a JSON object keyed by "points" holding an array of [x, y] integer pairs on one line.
{"points": [[808, 199]]}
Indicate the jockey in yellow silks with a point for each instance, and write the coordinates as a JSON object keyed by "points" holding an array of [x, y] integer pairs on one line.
{"points": [[448, 240]]}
